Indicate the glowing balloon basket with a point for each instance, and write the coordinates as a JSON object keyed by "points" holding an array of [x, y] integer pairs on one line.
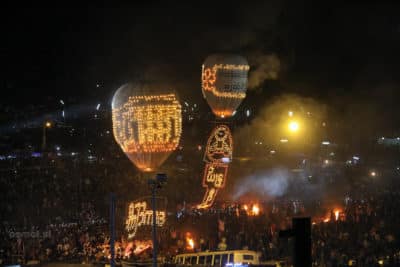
{"points": [[224, 85], [146, 126]]}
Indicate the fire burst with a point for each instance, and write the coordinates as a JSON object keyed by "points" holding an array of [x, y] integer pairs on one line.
{"points": [[336, 215], [189, 241], [252, 210], [255, 210]]}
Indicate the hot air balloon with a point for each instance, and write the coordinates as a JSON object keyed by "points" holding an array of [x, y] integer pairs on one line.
{"points": [[146, 124], [224, 83]]}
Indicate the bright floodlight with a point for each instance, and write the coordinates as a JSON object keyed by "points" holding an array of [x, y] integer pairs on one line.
{"points": [[293, 126]]}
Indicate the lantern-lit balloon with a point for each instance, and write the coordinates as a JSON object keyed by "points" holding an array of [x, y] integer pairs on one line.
{"points": [[224, 83], [147, 125]]}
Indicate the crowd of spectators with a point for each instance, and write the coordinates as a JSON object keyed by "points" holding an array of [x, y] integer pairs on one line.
{"points": [[367, 234], [364, 233], [59, 240], [58, 211]]}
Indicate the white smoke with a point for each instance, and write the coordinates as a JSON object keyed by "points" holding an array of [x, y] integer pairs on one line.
{"points": [[263, 67], [273, 183]]}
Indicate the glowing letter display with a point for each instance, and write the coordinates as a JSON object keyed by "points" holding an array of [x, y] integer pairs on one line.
{"points": [[215, 174], [219, 145], [139, 215]]}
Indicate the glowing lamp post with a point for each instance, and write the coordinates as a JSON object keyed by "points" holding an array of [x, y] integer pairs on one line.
{"points": [[46, 125]]}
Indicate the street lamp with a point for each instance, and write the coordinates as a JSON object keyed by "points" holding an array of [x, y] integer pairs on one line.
{"points": [[293, 126], [46, 125], [155, 183]]}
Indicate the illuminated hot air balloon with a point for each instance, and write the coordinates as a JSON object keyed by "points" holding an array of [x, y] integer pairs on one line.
{"points": [[224, 83], [146, 124]]}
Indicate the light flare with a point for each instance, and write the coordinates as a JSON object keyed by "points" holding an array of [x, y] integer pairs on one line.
{"points": [[293, 126]]}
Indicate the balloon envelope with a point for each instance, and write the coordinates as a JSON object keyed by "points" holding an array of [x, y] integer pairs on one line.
{"points": [[147, 124], [224, 83]]}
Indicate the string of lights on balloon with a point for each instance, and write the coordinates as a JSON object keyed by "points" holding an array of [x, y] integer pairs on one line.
{"points": [[224, 85], [147, 127]]}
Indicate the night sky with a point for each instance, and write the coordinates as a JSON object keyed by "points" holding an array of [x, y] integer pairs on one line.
{"points": [[336, 65], [345, 56]]}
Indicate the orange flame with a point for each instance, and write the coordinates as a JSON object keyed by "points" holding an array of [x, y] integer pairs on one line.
{"points": [[251, 210], [191, 243], [255, 210], [337, 215], [140, 246]]}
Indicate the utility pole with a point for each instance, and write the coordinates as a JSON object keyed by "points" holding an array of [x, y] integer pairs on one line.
{"points": [[155, 184], [112, 229], [46, 125]]}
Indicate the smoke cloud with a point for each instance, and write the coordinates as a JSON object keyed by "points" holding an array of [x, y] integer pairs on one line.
{"points": [[272, 183], [270, 123], [263, 67]]}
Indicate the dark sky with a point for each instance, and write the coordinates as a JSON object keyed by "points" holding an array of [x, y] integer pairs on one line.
{"points": [[341, 54]]}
